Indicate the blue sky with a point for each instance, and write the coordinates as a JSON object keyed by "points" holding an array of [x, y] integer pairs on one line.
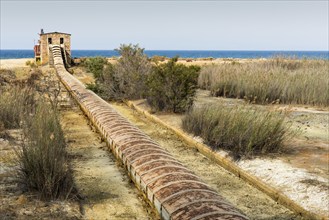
{"points": [[170, 25]]}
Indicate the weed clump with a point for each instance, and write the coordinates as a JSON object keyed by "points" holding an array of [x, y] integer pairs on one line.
{"points": [[43, 161], [33, 64], [243, 131]]}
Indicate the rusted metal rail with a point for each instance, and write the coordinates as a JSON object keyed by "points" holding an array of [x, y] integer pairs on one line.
{"points": [[174, 190]]}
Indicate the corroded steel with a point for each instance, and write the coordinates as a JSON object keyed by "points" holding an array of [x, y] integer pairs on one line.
{"points": [[174, 190]]}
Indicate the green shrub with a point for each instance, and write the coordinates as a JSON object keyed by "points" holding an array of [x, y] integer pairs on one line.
{"points": [[43, 161], [243, 131], [278, 80], [94, 87], [127, 78], [112, 87], [172, 86], [95, 65], [131, 71]]}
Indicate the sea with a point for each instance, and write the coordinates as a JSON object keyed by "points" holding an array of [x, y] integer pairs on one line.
{"points": [[14, 54]]}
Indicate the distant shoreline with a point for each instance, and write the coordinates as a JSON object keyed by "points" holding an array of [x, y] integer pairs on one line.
{"points": [[189, 54]]}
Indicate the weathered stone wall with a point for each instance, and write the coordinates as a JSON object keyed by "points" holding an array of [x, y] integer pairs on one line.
{"points": [[44, 45]]}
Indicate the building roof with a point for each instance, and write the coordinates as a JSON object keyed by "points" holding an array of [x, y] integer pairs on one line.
{"points": [[55, 33]]}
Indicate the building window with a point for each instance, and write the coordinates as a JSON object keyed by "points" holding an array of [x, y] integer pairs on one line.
{"points": [[61, 40], [50, 40]]}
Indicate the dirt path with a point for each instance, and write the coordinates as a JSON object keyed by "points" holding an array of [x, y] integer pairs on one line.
{"points": [[107, 190], [251, 201]]}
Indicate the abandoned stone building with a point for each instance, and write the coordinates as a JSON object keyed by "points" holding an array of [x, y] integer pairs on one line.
{"points": [[42, 52]]}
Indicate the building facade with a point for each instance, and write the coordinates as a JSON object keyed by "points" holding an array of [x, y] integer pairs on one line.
{"points": [[42, 52]]}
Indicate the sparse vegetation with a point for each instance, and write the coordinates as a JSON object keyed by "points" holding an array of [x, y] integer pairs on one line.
{"points": [[172, 86], [15, 102], [28, 63], [33, 64], [43, 162], [242, 130], [279, 80], [6, 76], [157, 59]]}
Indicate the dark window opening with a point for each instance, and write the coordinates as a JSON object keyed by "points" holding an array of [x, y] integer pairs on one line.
{"points": [[61, 40], [50, 40]]}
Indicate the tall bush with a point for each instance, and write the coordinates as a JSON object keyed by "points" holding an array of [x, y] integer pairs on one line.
{"points": [[172, 86], [95, 65], [127, 78], [131, 71]]}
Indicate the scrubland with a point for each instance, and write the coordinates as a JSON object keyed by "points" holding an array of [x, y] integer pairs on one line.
{"points": [[169, 86], [41, 158], [278, 80]]}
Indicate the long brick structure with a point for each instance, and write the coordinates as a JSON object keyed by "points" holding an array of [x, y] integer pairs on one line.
{"points": [[171, 188]]}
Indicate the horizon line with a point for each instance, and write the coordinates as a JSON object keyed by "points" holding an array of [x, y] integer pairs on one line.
{"points": [[279, 50]]}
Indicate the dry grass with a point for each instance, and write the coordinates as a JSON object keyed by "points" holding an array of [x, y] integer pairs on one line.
{"points": [[43, 161], [279, 80], [14, 104], [242, 130]]}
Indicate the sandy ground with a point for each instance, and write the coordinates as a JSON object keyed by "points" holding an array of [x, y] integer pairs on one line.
{"points": [[85, 77], [251, 201], [107, 190], [14, 63], [301, 171]]}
